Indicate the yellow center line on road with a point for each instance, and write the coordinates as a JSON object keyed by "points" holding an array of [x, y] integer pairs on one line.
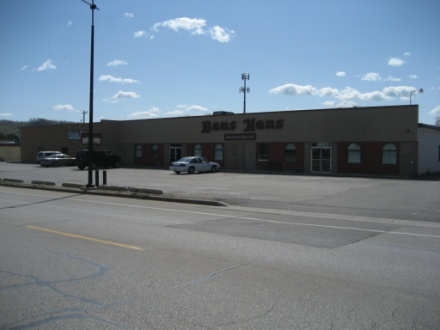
{"points": [[86, 238]]}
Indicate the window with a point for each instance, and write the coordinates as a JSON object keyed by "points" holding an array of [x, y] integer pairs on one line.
{"points": [[197, 150], [290, 153], [139, 151], [218, 154], [354, 153], [262, 152], [389, 154]]}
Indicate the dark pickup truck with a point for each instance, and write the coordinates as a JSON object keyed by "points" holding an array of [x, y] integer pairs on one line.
{"points": [[101, 159]]}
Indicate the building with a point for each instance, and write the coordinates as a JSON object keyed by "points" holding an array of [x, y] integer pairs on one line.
{"points": [[10, 151], [360, 140]]}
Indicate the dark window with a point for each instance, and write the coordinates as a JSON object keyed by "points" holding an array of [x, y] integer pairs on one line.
{"points": [[262, 152], [218, 154], [290, 153], [354, 153], [389, 154], [197, 150], [138, 151]]}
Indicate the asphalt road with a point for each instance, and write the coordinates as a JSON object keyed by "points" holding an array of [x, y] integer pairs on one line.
{"points": [[88, 262], [390, 198]]}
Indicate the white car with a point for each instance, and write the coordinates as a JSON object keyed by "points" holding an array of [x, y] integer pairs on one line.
{"points": [[57, 159], [193, 164], [44, 154]]}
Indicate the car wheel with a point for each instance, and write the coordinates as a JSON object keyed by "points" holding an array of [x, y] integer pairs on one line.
{"points": [[177, 172], [191, 170], [214, 168]]}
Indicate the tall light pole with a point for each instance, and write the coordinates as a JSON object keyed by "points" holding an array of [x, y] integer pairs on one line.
{"points": [[244, 89], [84, 116], [414, 91], [93, 7]]}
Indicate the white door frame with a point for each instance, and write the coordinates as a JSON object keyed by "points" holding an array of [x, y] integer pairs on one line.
{"points": [[321, 159]]}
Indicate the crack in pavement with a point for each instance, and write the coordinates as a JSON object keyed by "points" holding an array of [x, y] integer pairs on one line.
{"points": [[38, 202], [72, 313]]}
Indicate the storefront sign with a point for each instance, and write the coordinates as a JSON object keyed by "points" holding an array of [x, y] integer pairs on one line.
{"points": [[208, 126], [249, 125], [240, 136]]}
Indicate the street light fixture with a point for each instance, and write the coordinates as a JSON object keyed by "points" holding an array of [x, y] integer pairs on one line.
{"points": [[244, 89], [414, 91], [93, 7]]}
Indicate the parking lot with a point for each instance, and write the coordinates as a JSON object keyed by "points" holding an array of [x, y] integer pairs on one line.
{"points": [[376, 197]]}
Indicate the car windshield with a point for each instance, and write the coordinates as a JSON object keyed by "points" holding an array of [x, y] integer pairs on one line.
{"points": [[185, 159]]}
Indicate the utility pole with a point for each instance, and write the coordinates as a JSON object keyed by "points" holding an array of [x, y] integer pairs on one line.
{"points": [[244, 89], [93, 7]]}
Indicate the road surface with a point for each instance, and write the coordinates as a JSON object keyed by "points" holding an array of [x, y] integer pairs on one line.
{"points": [[71, 261]]}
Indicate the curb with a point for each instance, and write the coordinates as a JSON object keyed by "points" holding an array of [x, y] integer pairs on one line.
{"points": [[6, 180], [45, 183], [136, 193]]}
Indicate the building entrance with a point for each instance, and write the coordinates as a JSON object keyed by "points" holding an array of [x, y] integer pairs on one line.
{"points": [[321, 158], [176, 151]]}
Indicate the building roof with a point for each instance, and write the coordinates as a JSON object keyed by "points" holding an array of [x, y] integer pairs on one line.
{"points": [[437, 128]]}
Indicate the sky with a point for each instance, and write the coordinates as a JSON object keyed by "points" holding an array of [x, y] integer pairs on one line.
{"points": [[173, 58]]}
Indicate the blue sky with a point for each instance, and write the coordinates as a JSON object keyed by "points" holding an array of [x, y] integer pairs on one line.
{"points": [[180, 58]]}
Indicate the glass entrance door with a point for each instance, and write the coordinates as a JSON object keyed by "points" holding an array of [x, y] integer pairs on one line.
{"points": [[175, 152], [321, 159]]}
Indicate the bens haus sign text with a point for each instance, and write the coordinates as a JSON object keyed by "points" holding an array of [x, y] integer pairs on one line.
{"points": [[249, 125]]}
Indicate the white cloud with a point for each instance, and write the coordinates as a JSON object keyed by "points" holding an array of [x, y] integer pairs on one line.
{"points": [[293, 89], [371, 76], [124, 95], [435, 111], [395, 61], [129, 15], [220, 34], [24, 67], [413, 76], [391, 78], [346, 96], [139, 34], [327, 91], [63, 107], [112, 79], [195, 25], [47, 65], [329, 103], [407, 54], [5, 114], [69, 23], [399, 91], [117, 63], [175, 113], [192, 108], [340, 74], [154, 112]]}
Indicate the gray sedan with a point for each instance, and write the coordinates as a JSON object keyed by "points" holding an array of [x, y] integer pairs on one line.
{"points": [[57, 159], [193, 164]]}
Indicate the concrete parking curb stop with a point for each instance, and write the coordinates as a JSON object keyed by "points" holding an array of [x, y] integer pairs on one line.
{"points": [[114, 191], [6, 180], [46, 183]]}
